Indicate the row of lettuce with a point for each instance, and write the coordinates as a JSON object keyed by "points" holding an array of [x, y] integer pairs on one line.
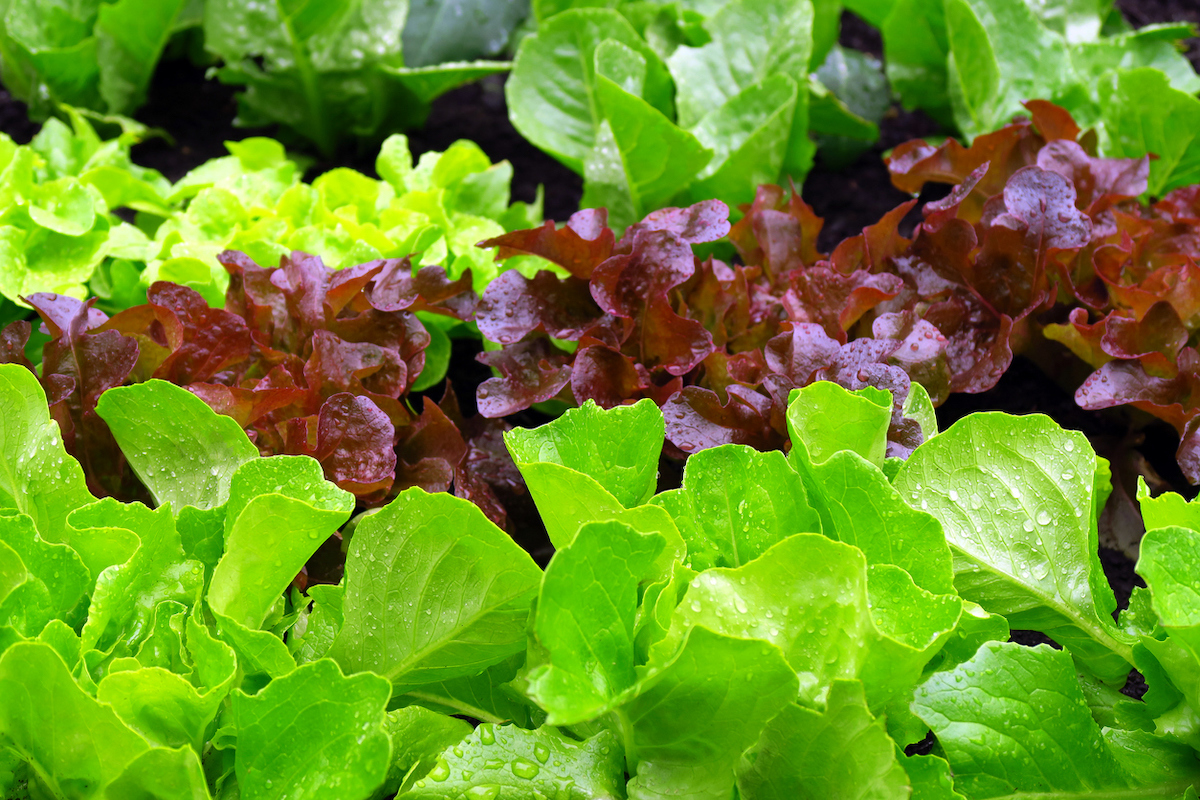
{"points": [[654, 103], [785, 625], [1042, 249]]}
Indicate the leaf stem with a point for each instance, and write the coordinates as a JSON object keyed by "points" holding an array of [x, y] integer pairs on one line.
{"points": [[466, 709], [312, 93]]}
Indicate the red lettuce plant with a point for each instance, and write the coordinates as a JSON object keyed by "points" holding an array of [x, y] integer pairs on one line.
{"points": [[1038, 240], [1048, 236], [719, 346], [308, 360]]}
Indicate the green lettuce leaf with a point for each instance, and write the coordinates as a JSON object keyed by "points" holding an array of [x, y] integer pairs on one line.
{"points": [[840, 752], [641, 159], [750, 40], [686, 730], [1017, 499], [1000, 55], [455, 588], [184, 452], [735, 503], [312, 67], [91, 54], [839, 440], [552, 92], [1013, 720], [437, 31], [76, 744], [125, 596], [280, 511], [418, 737], [313, 733], [162, 774], [56, 566], [618, 447], [589, 586], [1144, 114], [832, 618], [39, 479], [130, 37], [502, 762], [750, 136], [1168, 560]]}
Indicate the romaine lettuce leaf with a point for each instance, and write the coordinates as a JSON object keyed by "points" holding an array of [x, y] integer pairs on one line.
{"points": [[504, 761]]}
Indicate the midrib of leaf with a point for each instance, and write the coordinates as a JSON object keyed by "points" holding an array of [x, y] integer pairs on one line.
{"points": [[47, 780], [1066, 611], [591, 89], [308, 78]]}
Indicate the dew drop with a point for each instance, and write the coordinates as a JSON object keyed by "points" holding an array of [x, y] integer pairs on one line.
{"points": [[1043, 517]]}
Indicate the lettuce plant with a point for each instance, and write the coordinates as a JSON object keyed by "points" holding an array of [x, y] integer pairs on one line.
{"points": [[333, 72], [57, 198], [655, 105], [97, 54], [330, 72], [1039, 240], [60, 232], [306, 359], [254, 200], [972, 63], [719, 346], [749, 632], [1051, 243]]}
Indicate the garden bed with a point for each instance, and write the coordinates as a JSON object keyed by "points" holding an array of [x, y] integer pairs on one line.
{"points": [[580, 520]]}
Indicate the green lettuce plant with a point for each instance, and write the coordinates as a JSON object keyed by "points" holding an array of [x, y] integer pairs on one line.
{"points": [[332, 71], [57, 198], [328, 71], [97, 54], [748, 634], [670, 104], [60, 231], [254, 200]]}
